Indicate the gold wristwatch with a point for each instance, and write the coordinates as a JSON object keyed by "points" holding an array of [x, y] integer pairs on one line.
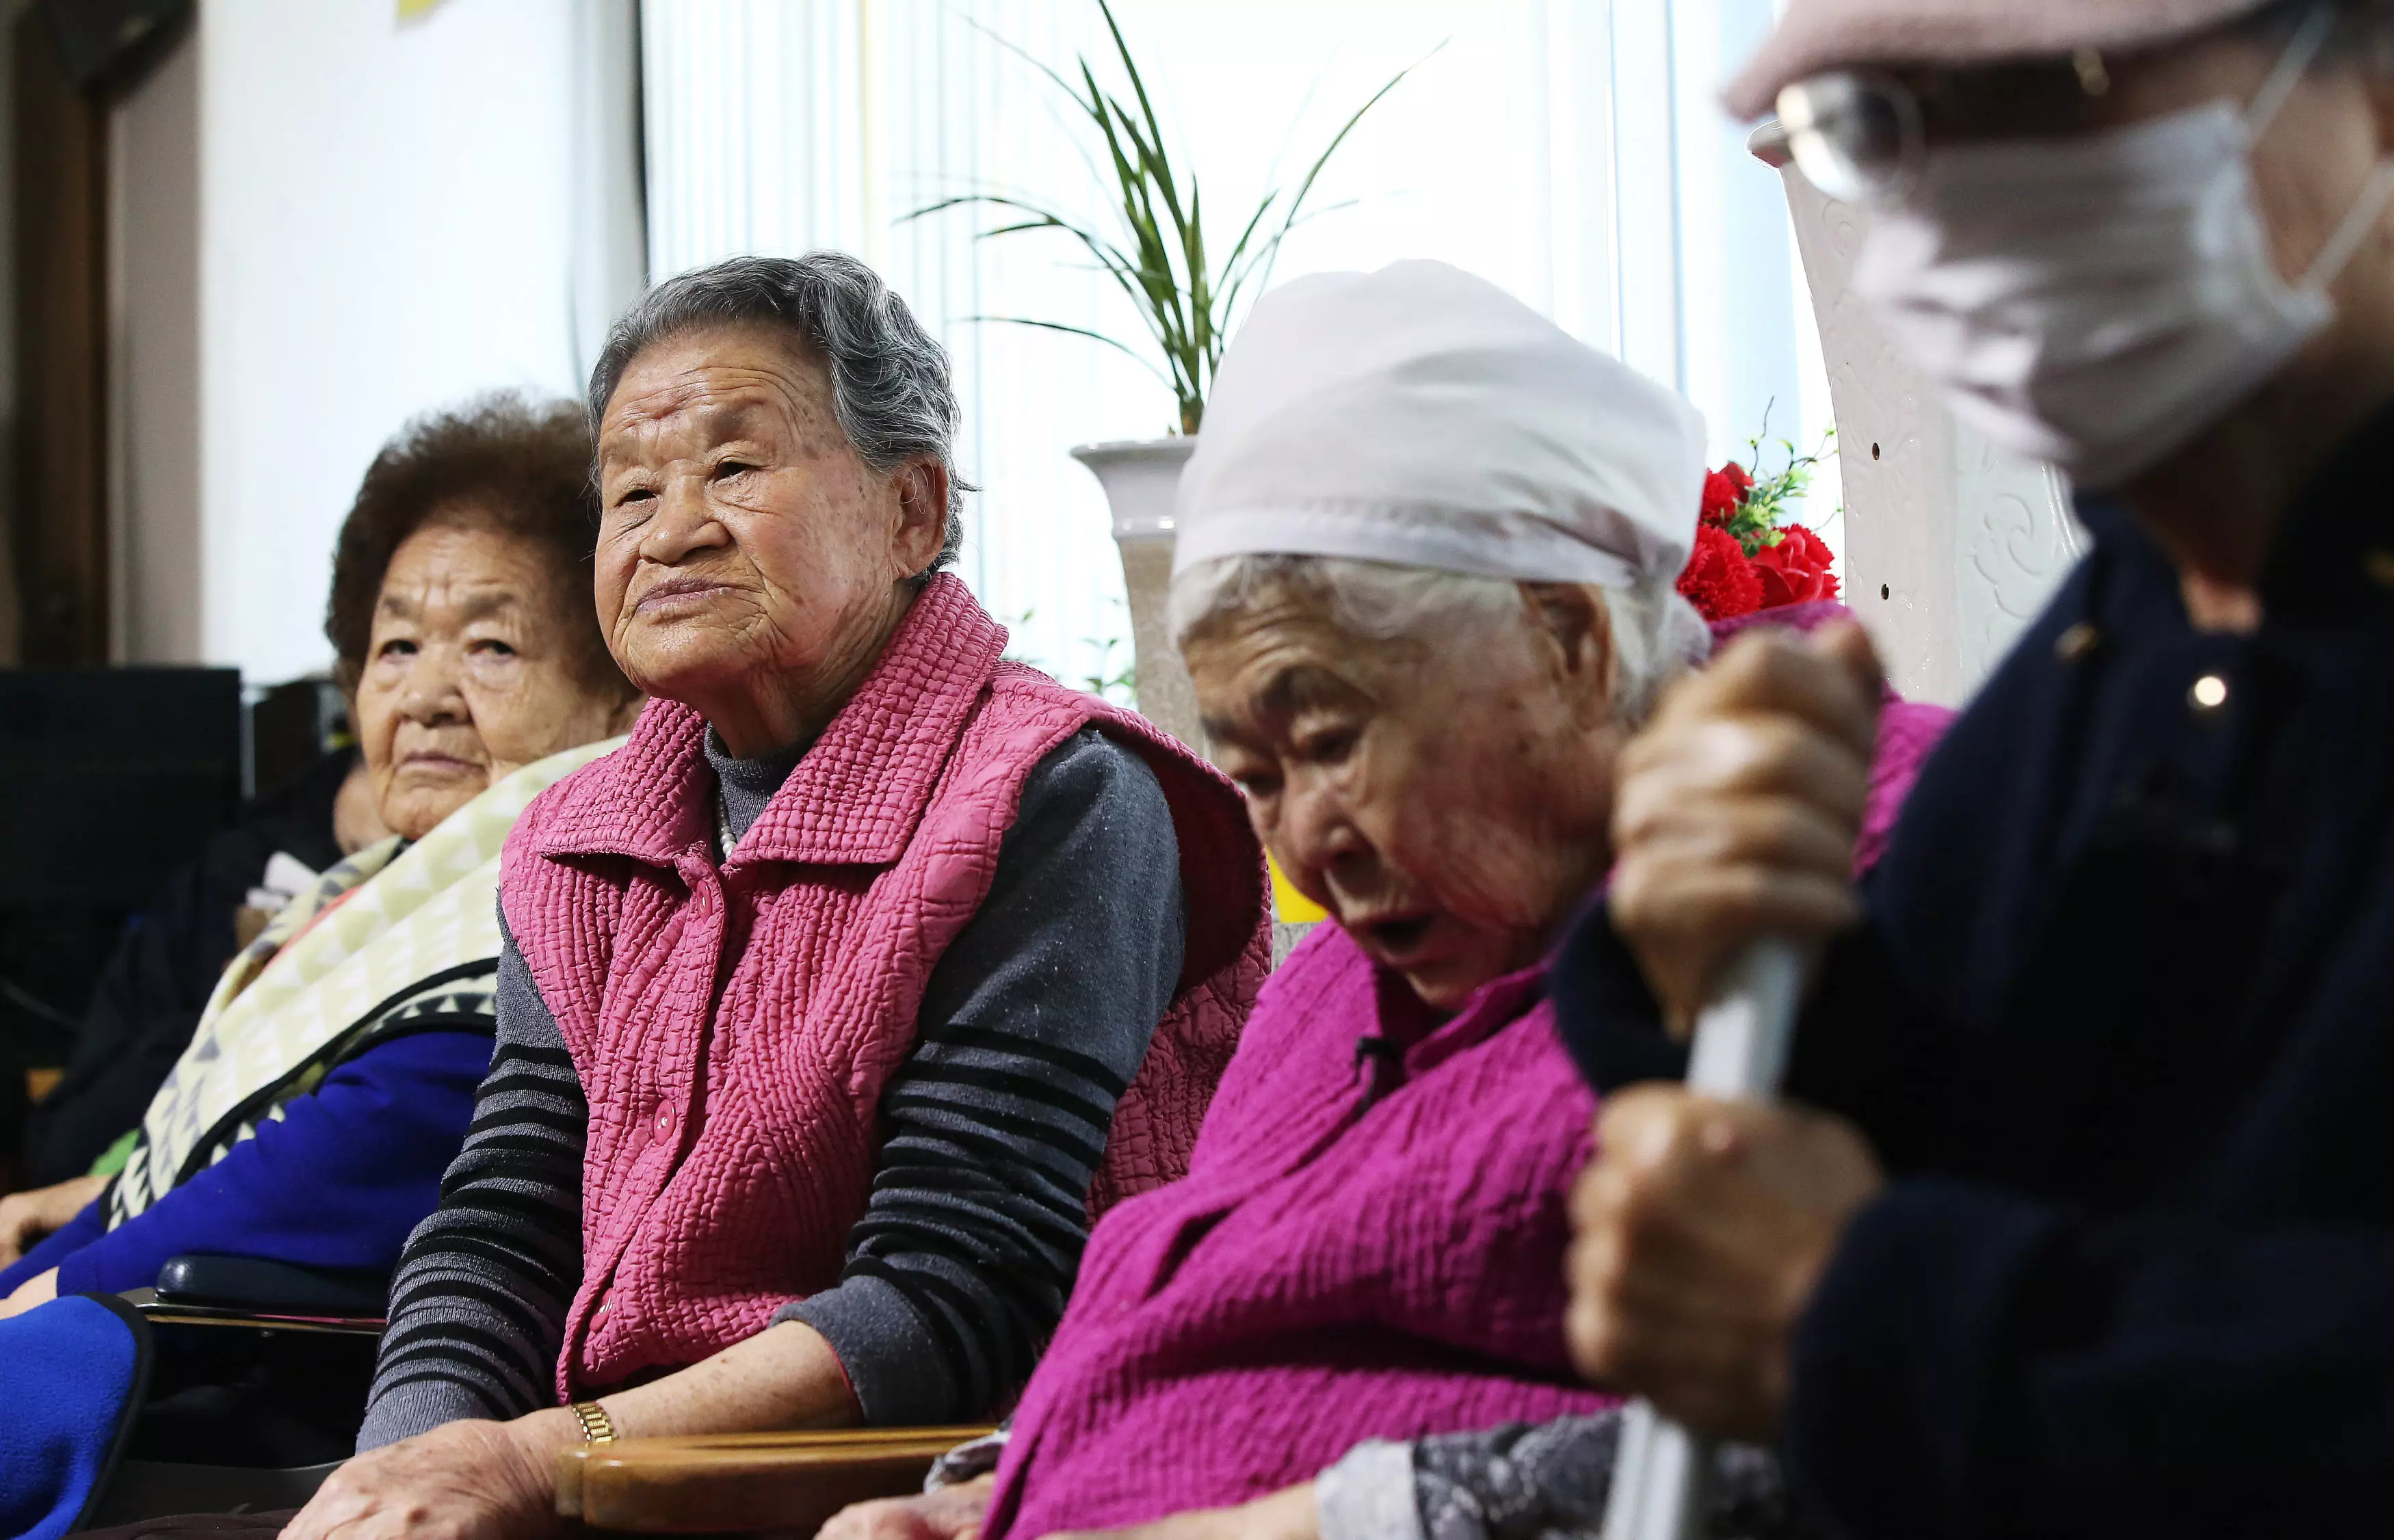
{"points": [[596, 1428]]}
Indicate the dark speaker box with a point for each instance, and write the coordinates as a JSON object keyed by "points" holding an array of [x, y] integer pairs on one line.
{"points": [[109, 780]]}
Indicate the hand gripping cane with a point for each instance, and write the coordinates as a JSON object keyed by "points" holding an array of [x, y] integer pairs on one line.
{"points": [[1660, 1472]]}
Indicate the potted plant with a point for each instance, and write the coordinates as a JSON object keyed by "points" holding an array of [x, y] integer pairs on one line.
{"points": [[1187, 300]]}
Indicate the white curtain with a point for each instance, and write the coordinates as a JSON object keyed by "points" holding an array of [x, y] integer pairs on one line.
{"points": [[1569, 151]]}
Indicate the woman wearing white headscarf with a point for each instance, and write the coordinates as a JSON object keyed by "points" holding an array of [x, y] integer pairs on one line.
{"points": [[1425, 587]]}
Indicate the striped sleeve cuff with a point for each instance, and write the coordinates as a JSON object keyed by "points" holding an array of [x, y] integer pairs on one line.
{"points": [[880, 1340], [418, 1406]]}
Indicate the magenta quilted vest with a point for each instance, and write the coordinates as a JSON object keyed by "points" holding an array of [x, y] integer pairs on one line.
{"points": [[1333, 1269], [1336, 1268], [734, 1023]]}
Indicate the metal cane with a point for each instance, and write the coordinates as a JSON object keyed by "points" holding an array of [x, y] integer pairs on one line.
{"points": [[1741, 1054]]}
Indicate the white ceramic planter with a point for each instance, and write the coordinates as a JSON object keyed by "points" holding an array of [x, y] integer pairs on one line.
{"points": [[1952, 545], [1140, 479]]}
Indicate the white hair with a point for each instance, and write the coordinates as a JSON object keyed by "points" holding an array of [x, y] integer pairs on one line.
{"points": [[1656, 634]]}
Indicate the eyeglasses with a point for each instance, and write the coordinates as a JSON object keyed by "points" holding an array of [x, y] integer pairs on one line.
{"points": [[1864, 136], [1861, 138]]}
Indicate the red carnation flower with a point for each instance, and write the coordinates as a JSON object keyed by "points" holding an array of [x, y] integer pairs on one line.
{"points": [[1796, 571], [1719, 579], [1725, 492]]}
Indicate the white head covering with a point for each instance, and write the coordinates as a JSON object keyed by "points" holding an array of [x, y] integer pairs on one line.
{"points": [[1423, 417]]}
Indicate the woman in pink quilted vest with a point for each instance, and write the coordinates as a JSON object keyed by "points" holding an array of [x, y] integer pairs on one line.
{"points": [[836, 1001], [1425, 584]]}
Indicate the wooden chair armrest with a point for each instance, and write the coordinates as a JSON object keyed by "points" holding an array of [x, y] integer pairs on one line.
{"points": [[159, 1312], [714, 1483]]}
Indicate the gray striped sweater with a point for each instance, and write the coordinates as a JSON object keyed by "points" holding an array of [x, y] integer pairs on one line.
{"points": [[1031, 1026]]}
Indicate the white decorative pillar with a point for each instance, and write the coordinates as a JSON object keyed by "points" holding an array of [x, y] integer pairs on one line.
{"points": [[1952, 544]]}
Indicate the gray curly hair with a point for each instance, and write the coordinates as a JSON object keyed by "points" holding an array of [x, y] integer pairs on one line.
{"points": [[889, 383]]}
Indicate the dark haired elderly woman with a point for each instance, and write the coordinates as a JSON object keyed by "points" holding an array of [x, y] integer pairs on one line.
{"points": [[332, 1073], [2086, 1229], [1425, 587], [837, 998]]}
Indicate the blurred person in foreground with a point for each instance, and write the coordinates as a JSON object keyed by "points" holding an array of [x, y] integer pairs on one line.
{"points": [[157, 979], [837, 1001], [295, 1128], [1426, 587], [2077, 1221]]}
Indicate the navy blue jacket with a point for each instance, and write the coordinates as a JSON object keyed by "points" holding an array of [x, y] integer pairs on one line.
{"points": [[2121, 1025]]}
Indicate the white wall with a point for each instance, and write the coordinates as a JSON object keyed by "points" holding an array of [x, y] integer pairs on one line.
{"points": [[386, 226], [327, 220]]}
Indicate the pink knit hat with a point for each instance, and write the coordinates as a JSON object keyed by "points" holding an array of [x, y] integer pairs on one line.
{"points": [[1815, 35]]}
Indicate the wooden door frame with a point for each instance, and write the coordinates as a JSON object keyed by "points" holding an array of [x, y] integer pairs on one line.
{"points": [[58, 512]]}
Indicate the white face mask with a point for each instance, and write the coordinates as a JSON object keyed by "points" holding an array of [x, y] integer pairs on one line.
{"points": [[2098, 302]]}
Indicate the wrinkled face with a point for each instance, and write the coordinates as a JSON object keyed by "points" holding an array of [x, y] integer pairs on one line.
{"points": [[744, 539], [1446, 805], [471, 672]]}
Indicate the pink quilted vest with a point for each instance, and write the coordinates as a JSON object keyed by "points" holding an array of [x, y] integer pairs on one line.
{"points": [[734, 1023]]}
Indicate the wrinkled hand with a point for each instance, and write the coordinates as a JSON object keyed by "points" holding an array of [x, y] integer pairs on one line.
{"points": [[951, 1513], [1288, 1514], [1738, 804], [27, 1218], [463, 1481], [1699, 1234]]}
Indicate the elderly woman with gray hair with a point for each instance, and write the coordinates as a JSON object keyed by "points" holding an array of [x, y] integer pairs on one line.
{"points": [[836, 1001], [1426, 587]]}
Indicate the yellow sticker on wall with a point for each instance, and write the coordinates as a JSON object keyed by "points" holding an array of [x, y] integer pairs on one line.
{"points": [[411, 10], [1289, 906]]}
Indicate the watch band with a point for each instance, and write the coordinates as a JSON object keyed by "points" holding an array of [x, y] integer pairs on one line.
{"points": [[596, 1428]]}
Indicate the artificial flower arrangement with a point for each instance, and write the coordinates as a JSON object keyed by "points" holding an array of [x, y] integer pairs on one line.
{"points": [[1745, 559]]}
